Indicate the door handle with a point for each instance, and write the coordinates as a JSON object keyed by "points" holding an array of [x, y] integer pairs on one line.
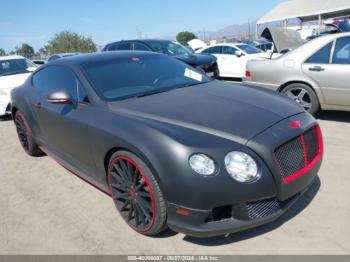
{"points": [[316, 69], [38, 105]]}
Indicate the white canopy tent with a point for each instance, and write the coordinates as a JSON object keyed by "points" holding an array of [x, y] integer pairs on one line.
{"points": [[306, 10]]}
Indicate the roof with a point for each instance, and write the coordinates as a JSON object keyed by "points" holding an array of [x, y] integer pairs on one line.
{"points": [[10, 57], [307, 10], [101, 57], [146, 41]]}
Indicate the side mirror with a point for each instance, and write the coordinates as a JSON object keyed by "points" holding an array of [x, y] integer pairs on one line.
{"points": [[239, 53], [61, 97]]}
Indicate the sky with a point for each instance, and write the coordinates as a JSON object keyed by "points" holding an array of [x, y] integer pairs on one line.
{"points": [[37, 21]]}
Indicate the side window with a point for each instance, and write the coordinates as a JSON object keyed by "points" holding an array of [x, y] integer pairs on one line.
{"points": [[342, 51], [140, 47], [228, 50], [112, 47], [53, 78], [213, 50], [321, 56], [124, 46]]}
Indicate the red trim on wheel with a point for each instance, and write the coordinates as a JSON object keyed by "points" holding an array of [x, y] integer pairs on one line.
{"points": [[110, 167]]}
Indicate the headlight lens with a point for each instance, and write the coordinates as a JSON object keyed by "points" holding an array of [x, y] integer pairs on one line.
{"points": [[202, 164], [242, 167]]}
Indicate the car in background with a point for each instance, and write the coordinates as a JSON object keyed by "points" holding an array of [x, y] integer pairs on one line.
{"points": [[333, 28], [315, 75], [204, 62], [283, 40], [171, 146], [264, 45], [38, 62], [58, 56], [14, 70], [233, 57]]}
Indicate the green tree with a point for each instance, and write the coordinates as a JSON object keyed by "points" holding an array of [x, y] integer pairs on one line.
{"points": [[67, 41], [184, 37], [2, 52], [25, 50]]}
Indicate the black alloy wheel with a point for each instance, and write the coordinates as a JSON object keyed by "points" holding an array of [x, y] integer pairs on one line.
{"points": [[133, 195]]}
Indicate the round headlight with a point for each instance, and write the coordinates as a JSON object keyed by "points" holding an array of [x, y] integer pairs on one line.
{"points": [[202, 164], [242, 167]]}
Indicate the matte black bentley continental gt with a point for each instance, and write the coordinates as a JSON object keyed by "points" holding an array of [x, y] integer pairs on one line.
{"points": [[169, 145]]}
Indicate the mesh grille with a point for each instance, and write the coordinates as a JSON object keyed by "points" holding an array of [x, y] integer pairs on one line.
{"points": [[290, 157], [264, 208], [296, 154], [311, 142]]}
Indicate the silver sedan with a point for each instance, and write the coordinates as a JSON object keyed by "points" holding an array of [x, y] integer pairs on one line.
{"points": [[316, 75]]}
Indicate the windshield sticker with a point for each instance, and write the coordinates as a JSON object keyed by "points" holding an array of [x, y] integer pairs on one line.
{"points": [[193, 75]]}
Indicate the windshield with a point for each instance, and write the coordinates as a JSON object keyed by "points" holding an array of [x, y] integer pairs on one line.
{"points": [[248, 49], [344, 26], [169, 48], [122, 78], [16, 66]]}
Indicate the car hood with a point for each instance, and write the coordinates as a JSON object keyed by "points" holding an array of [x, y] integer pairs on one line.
{"points": [[230, 111], [197, 59], [283, 38], [196, 44], [12, 81]]}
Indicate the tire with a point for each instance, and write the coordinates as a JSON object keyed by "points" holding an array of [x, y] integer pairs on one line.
{"points": [[216, 71], [136, 194], [25, 136], [304, 95]]}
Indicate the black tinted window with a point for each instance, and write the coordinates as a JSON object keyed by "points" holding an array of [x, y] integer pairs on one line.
{"points": [[322, 56], [54, 78], [228, 50], [115, 79], [124, 46], [213, 50], [140, 47], [342, 51]]}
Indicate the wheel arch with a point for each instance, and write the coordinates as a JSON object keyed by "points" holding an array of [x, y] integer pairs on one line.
{"points": [[14, 109], [317, 91], [280, 89], [138, 153]]}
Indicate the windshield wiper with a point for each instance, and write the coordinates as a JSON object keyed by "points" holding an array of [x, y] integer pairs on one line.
{"points": [[153, 92]]}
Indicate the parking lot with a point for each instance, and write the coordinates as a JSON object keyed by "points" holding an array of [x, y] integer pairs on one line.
{"points": [[47, 210]]}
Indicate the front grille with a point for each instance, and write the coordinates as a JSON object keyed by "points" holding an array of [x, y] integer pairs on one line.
{"points": [[299, 153], [265, 208]]}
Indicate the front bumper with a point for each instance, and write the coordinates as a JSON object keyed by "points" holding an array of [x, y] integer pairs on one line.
{"points": [[205, 223]]}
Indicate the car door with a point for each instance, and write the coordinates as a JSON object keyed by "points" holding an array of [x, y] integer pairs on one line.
{"points": [[233, 66], [329, 67], [64, 126]]}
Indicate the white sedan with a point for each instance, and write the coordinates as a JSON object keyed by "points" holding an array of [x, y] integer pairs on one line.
{"points": [[233, 57], [14, 71]]}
